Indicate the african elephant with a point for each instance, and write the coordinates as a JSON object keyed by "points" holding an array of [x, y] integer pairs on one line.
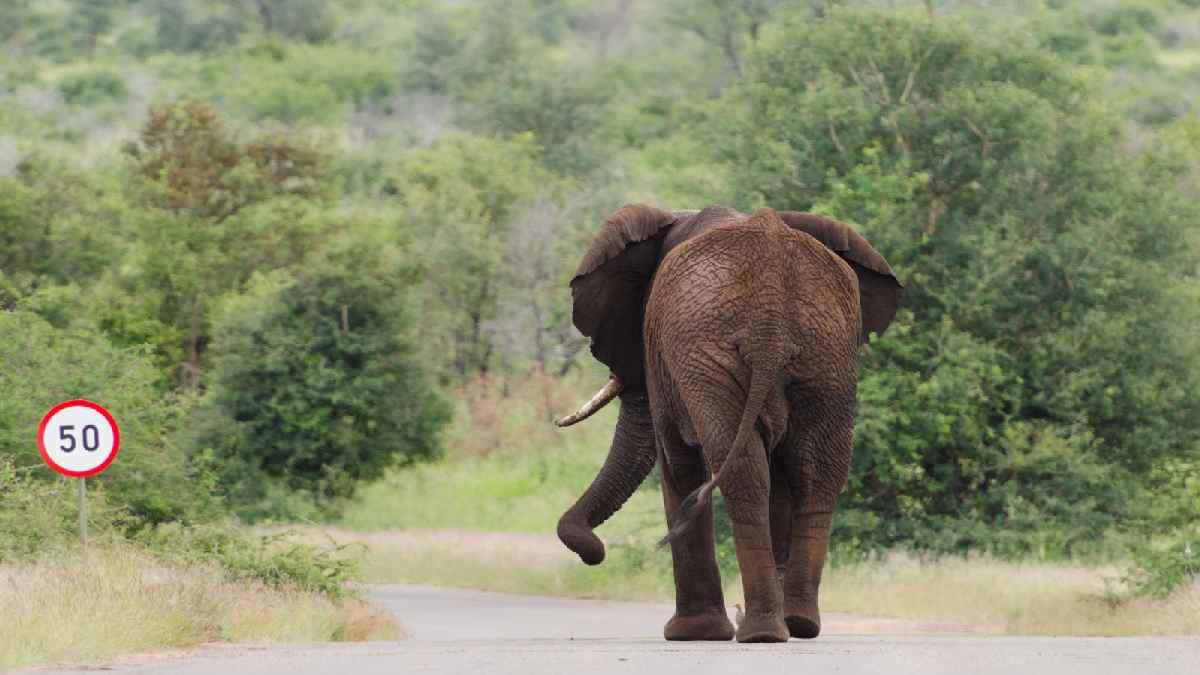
{"points": [[732, 342]]}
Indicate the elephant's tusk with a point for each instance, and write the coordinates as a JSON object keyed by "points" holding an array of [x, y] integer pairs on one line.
{"points": [[601, 399]]}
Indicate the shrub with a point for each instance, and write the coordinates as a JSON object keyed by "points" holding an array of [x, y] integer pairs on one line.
{"points": [[42, 366], [308, 20], [1124, 17], [295, 83], [1022, 396], [186, 26], [314, 383], [287, 100], [39, 516], [93, 87], [277, 560], [1159, 570]]}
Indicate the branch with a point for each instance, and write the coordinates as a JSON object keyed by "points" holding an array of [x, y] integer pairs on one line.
{"points": [[912, 75], [833, 135]]}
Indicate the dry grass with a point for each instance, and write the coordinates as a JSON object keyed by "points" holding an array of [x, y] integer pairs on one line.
{"points": [[1034, 598], [510, 473], [536, 564], [981, 594], [118, 600]]}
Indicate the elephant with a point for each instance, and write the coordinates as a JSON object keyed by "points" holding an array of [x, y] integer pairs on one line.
{"points": [[732, 344]]}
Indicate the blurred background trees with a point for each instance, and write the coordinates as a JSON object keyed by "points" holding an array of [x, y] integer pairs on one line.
{"points": [[197, 193]]}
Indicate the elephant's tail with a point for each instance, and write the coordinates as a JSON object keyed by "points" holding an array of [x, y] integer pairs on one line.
{"points": [[762, 380]]}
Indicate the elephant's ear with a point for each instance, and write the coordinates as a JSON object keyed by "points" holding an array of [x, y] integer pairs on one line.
{"points": [[609, 288], [878, 288]]}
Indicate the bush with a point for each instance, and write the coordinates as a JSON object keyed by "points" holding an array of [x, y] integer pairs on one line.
{"points": [[1160, 569], [287, 100], [188, 26], [308, 20], [564, 108], [314, 383], [39, 516], [294, 83], [1022, 396], [1124, 18], [43, 365], [93, 87], [277, 560]]}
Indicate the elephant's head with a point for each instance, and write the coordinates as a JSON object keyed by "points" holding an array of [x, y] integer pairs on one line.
{"points": [[609, 292]]}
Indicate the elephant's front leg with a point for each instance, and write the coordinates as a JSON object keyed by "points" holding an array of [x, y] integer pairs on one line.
{"points": [[699, 603]]}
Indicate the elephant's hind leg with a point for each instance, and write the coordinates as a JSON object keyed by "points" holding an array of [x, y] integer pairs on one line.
{"points": [[781, 513], [699, 603], [816, 469], [747, 493]]}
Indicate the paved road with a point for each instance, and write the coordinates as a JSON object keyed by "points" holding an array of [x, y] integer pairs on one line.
{"points": [[456, 631]]}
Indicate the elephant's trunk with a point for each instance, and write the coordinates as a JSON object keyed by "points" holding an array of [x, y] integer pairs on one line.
{"points": [[629, 461], [601, 399]]}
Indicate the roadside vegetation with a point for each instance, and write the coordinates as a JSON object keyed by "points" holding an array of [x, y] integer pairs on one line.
{"points": [[120, 599], [139, 588], [448, 523], [314, 257]]}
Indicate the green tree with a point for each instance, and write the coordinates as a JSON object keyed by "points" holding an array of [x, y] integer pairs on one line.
{"points": [[14, 17], [57, 227], [460, 198], [190, 26], [91, 19], [216, 210], [308, 20], [315, 384], [565, 108], [730, 26], [41, 365], [1041, 368]]}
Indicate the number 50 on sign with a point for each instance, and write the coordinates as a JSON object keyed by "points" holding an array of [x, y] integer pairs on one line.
{"points": [[78, 438]]}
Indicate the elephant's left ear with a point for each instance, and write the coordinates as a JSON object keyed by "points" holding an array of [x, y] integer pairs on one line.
{"points": [[878, 288], [610, 287]]}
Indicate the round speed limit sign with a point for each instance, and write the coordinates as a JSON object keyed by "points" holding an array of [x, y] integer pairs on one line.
{"points": [[78, 438]]}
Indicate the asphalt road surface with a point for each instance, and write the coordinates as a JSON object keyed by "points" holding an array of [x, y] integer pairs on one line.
{"points": [[458, 631]]}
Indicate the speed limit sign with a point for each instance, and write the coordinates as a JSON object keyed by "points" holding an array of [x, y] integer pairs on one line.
{"points": [[78, 438]]}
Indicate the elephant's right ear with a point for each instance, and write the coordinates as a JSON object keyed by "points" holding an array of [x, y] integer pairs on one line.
{"points": [[879, 291], [609, 288]]}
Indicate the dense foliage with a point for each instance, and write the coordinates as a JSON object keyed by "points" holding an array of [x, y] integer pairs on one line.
{"points": [[313, 384], [1033, 380], [269, 233]]}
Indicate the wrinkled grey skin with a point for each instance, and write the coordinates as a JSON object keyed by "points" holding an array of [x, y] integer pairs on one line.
{"points": [[735, 338]]}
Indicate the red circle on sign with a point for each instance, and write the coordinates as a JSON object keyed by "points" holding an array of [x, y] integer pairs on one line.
{"points": [[116, 432]]}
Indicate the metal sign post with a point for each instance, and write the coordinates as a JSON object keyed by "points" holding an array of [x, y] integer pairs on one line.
{"points": [[78, 439], [82, 494]]}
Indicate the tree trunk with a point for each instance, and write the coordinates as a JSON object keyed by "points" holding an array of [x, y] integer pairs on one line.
{"points": [[191, 366]]}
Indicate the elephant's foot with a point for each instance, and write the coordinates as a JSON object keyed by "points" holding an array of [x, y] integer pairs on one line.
{"points": [[803, 619], [707, 626], [768, 628], [803, 627]]}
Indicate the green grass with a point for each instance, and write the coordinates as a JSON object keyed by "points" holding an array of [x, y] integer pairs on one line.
{"points": [[121, 599], [502, 493], [508, 468], [510, 473]]}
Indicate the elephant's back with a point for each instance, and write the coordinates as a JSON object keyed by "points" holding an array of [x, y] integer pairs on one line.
{"points": [[753, 272]]}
